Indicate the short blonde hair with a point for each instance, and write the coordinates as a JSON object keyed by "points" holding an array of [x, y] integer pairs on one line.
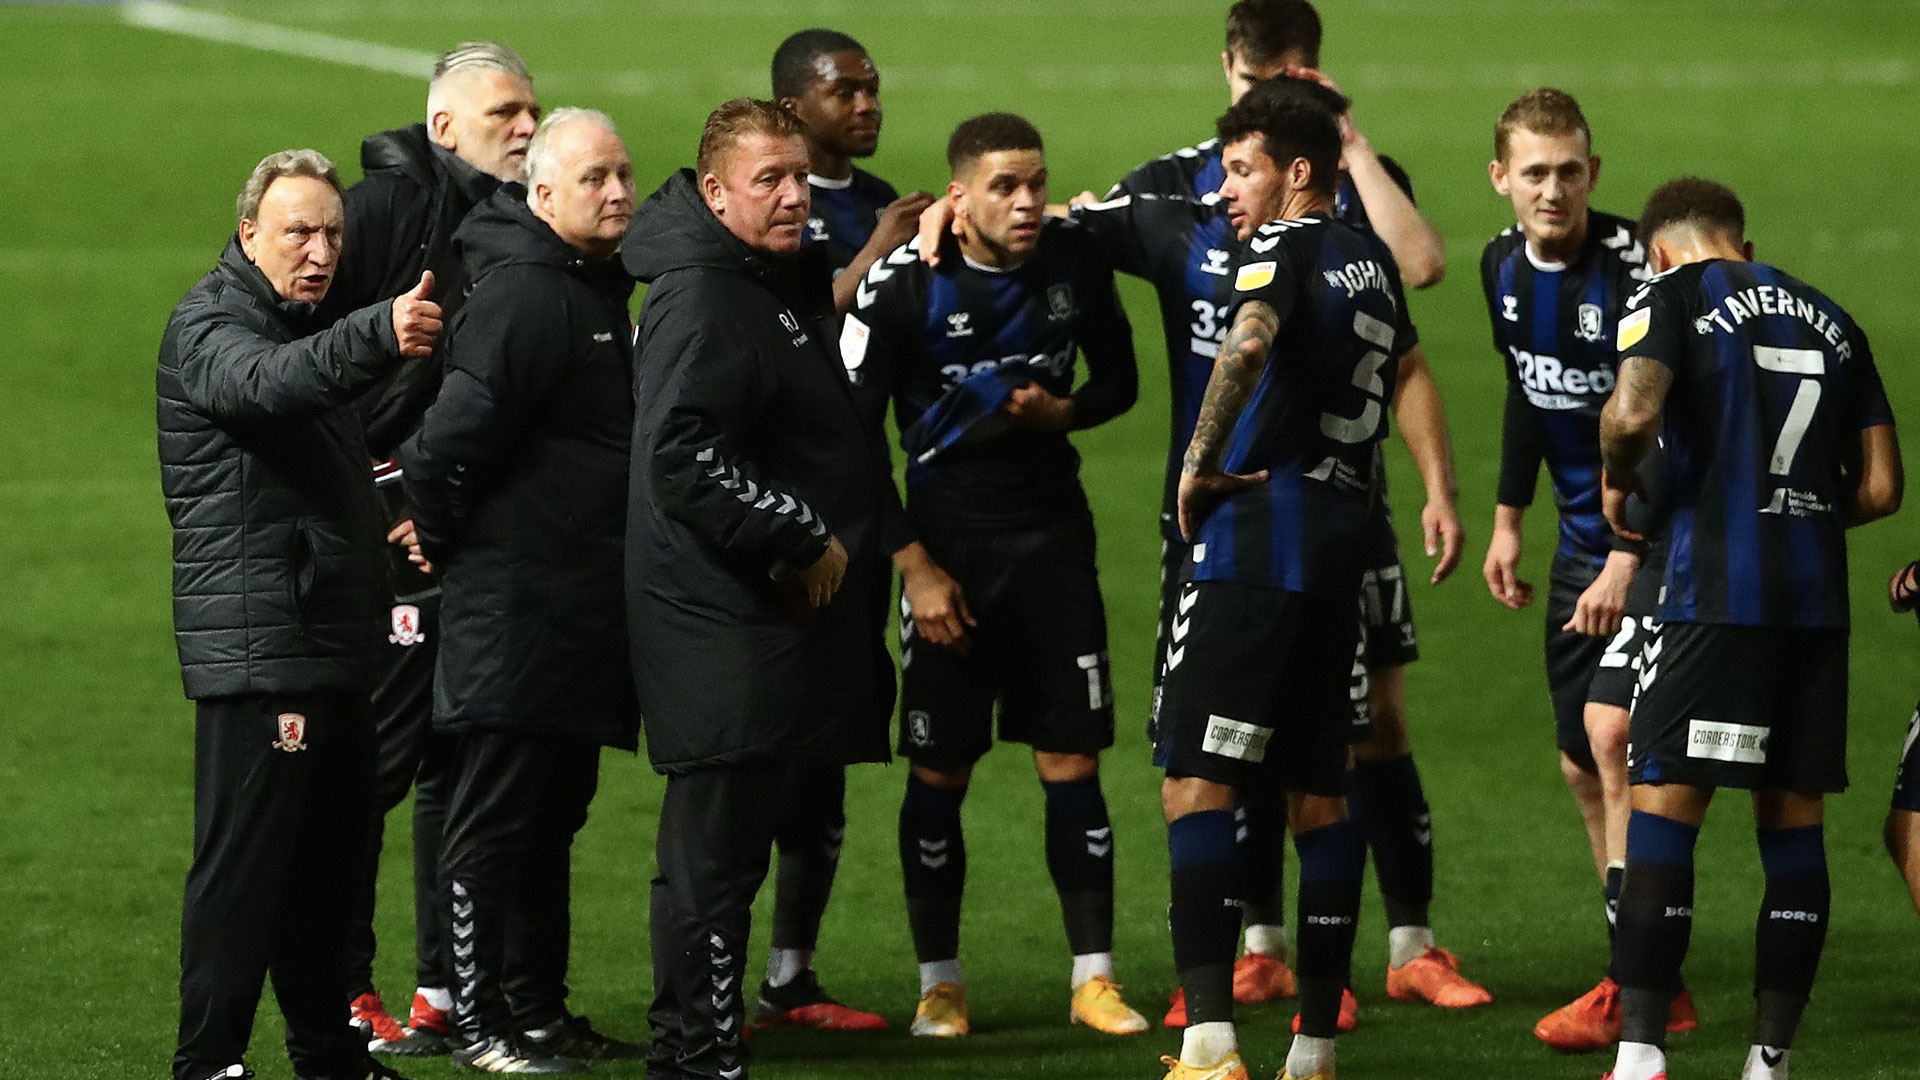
{"points": [[1545, 111], [285, 163], [735, 120]]}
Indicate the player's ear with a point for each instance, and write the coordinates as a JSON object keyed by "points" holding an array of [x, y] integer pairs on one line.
{"points": [[1226, 65], [1593, 171], [249, 237], [1659, 256], [1746, 248], [1497, 174]]}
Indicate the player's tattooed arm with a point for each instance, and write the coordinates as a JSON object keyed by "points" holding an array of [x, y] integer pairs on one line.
{"points": [[1632, 415], [1237, 370], [1628, 426]]}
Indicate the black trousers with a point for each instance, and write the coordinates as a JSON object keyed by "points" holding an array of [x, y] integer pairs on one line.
{"points": [[408, 757], [514, 805], [716, 834], [279, 807]]}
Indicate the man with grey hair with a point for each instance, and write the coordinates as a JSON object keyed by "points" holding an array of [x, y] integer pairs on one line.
{"points": [[277, 586], [420, 183], [518, 484]]}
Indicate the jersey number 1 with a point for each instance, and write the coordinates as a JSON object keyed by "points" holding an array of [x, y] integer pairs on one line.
{"points": [[1806, 363]]}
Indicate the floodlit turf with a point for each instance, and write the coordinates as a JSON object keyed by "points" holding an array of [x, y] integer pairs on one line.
{"points": [[124, 148]]}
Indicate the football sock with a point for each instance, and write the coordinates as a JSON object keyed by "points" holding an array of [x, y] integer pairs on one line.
{"points": [[1616, 872], [1407, 943], [1262, 839], [786, 965], [1080, 860], [1090, 964], [1766, 1063], [1308, 1055], [1399, 830], [808, 838], [935, 972], [1638, 1061], [1204, 916], [1332, 861], [438, 997], [1270, 940], [1791, 932], [1656, 924], [1206, 1045], [933, 862]]}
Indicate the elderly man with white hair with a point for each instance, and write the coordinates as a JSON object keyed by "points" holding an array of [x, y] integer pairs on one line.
{"points": [[518, 483], [277, 589], [420, 182]]}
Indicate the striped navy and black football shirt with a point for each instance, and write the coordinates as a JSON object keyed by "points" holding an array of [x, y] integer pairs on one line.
{"points": [[844, 214], [1166, 223], [1772, 384], [917, 333], [1317, 413], [1553, 323]]}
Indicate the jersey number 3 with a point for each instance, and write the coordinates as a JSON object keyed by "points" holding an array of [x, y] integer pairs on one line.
{"points": [[1366, 376]]}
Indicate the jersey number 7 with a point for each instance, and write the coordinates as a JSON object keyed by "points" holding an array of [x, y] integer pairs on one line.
{"points": [[1806, 400]]}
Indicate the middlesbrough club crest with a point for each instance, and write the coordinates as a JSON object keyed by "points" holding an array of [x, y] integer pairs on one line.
{"points": [[406, 625], [293, 732]]}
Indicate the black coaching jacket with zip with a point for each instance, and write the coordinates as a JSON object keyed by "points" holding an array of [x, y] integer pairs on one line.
{"points": [[279, 561], [518, 480], [748, 452]]}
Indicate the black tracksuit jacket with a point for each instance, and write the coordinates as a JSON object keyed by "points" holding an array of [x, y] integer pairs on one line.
{"points": [[748, 452], [518, 480], [401, 219]]}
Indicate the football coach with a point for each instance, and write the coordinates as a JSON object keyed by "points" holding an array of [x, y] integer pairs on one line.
{"points": [[518, 480], [756, 575], [279, 585]]}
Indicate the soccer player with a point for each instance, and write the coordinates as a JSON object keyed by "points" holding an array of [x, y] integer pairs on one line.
{"points": [[1903, 819], [1555, 283], [1778, 438], [1276, 498], [978, 359], [828, 82], [1164, 222]]}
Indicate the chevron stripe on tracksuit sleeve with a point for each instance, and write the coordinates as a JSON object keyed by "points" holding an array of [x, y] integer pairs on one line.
{"points": [[702, 475]]}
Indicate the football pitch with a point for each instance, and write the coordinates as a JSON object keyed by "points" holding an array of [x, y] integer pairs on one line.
{"points": [[125, 145]]}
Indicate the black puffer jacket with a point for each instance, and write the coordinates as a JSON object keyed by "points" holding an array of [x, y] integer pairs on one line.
{"points": [[401, 219], [518, 479], [279, 568], [748, 452]]}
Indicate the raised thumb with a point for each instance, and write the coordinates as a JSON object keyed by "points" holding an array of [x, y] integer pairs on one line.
{"points": [[421, 290]]}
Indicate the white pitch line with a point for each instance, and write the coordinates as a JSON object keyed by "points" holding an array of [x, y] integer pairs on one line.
{"points": [[228, 30], [1859, 71]]}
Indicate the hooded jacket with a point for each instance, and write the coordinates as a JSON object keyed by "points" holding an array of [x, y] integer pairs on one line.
{"points": [[401, 219], [279, 567], [518, 480], [749, 452]]}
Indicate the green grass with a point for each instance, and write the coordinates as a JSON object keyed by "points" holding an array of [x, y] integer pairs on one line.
{"points": [[125, 147]]}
